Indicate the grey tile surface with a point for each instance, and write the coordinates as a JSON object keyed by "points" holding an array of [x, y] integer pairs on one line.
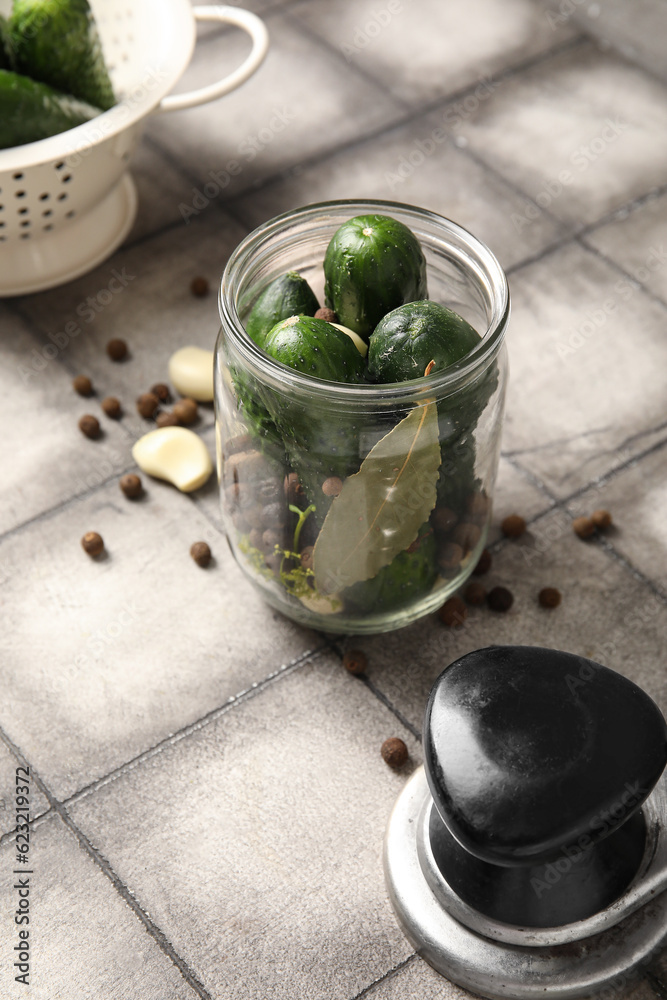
{"points": [[45, 457], [125, 650], [417, 163], [277, 119], [605, 614], [276, 889], [636, 242], [582, 134], [85, 941], [583, 398], [257, 845], [38, 804], [154, 311], [423, 49]]}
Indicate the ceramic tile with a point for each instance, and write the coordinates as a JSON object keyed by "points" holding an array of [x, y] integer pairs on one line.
{"points": [[605, 614], [637, 499], [150, 305], [417, 164], [421, 50], [107, 657], [160, 189], [45, 458], [100, 949], [291, 798], [636, 242], [582, 134], [9, 778], [515, 494], [276, 119], [582, 399]]}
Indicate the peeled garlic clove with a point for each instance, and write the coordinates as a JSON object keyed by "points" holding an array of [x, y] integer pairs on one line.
{"points": [[191, 373], [175, 454], [360, 345]]}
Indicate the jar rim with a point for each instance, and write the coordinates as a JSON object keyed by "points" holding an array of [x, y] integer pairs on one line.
{"points": [[446, 381]]}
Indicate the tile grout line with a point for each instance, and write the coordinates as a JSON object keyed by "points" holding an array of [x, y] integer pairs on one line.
{"points": [[387, 975], [621, 270], [257, 687], [412, 116], [150, 927]]}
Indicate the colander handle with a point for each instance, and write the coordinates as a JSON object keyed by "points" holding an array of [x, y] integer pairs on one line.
{"points": [[260, 43]]}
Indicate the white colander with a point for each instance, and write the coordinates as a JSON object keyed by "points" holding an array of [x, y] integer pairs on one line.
{"points": [[67, 202]]}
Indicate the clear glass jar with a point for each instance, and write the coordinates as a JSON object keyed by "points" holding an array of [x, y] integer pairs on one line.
{"points": [[410, 523]]}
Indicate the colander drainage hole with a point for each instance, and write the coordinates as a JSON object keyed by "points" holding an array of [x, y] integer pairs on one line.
{"points": [[50, 226], [66, 179], [23, 211], [61, 197], [61, 165], [44, 196], [18, 176], [25, 236], [25, 223], [47, 213], [70, 214], [19, 194]]}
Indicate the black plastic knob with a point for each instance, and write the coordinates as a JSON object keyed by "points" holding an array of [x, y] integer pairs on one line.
{"points": [[530, 752]]}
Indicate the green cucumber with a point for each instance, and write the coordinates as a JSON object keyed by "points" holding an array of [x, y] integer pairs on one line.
{"points": [[289, 295], [319, 445], [408, 577], [6, 54], [30, 111], [407, 339], [373, 264], [316, 348], [57, 43]]}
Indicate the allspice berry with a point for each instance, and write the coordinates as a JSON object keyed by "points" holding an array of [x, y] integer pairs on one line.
{"points": [[201, 553], [449, 556], [117, 349], [475, 593], [601, 519], [355, 661], [199, 287], [131, 485], [483, 563], [185, 411], [583, 527], [112, 407], [443, 519], [293, 489], [500, 599], [453, 612], [161, 391], [89, 425], [549, 597], [328, 315], [394, 752], [332, 486], [82, 385], [166, 420], [92, 543], [513, 526], [147, 404]]}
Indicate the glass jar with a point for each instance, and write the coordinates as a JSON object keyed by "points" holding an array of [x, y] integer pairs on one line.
{"points": [[358, 508]]}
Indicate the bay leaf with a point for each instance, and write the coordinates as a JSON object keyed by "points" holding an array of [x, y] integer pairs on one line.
{"points": [[380, 509]]}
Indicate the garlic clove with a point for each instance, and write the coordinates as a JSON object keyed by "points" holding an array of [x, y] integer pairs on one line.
{"points": [[175, 454], [360, 345], [191, 373]]}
